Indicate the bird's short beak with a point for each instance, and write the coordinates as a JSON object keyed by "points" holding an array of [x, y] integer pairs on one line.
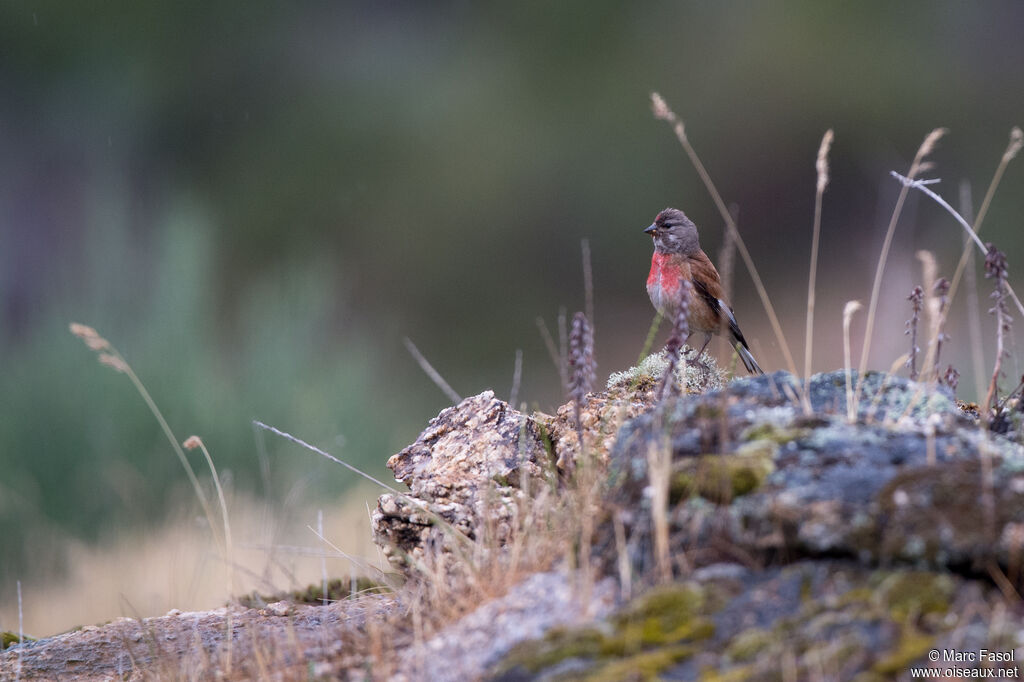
{"points": [[651, 228]]}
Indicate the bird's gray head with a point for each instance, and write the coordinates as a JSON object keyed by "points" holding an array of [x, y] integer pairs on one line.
{"points": [[673, 232]]}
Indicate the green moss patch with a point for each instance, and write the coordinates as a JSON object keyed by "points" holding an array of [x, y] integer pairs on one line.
{"points": [[722, 478]]}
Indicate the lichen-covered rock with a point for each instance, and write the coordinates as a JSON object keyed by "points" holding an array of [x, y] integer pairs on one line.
{"points": [[752, 471], [532, 607], [811, 620], [482, 460], [473, 462]]}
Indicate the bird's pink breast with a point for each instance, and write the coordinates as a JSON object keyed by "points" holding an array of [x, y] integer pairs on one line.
{"points": [[664, 281]]}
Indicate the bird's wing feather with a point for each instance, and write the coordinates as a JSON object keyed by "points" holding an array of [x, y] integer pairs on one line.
{"points": [[708, 284]]}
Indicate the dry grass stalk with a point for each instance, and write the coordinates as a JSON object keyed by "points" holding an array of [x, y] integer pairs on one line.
{"points": [[588, 281], [915, 167], [821, 165], [663, 112], [851, 402], [109, 356], [191, 443], [517, 378], [659, 466], [940, 296], [970, 274]]}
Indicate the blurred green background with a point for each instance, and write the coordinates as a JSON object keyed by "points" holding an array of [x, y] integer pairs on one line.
{"points": [[255, 202]]}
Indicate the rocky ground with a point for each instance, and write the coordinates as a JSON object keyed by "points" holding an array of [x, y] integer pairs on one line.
{"points": [[758, 531]]}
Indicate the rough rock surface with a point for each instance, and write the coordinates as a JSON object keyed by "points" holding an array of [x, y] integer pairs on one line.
{"points": [[752, 474], [476, 461], [470, 463], [466, 649], [812, 620], [278, 642], [803, 544], [809, 545]]}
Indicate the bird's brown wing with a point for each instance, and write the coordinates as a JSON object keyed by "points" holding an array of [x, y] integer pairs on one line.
{"points": [[708, 284]]}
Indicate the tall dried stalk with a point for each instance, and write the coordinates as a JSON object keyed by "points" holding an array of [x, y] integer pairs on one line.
{"points": [[916, 167], [851, 401], [664, 113], [821, 165]]}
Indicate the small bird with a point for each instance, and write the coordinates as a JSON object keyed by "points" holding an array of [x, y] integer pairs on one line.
{"points": [[678, 256]]}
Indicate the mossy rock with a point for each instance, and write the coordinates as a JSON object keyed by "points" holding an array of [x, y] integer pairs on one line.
{"points": [[9, 639], [651, 633], [909, 594], [722, 478], [767, 431], [911, 646], [749, 643], [337, 589]]}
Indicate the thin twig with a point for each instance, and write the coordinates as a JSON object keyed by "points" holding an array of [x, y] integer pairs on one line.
{"points": [[662, 111], [821, 165], [431, 372]]}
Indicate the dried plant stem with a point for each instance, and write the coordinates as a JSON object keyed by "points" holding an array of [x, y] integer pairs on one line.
{"points": [[662, 112], [588, 281], [429, 370], [915, 298], [549, 343], [996, 268], [822, 168], [851, 402], [915, 167]]}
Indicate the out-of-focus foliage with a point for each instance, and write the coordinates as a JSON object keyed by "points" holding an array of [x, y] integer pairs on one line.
{"points": [[257, 201]]}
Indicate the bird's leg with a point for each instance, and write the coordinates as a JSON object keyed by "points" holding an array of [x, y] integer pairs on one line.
{"points": [[707, 340], [696, 354]]}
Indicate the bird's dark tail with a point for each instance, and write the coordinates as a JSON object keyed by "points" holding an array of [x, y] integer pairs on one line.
{"points": [[748, 360]]}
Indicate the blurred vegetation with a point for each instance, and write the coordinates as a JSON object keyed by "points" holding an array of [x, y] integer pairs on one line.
{"points": [[256, 201]]}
